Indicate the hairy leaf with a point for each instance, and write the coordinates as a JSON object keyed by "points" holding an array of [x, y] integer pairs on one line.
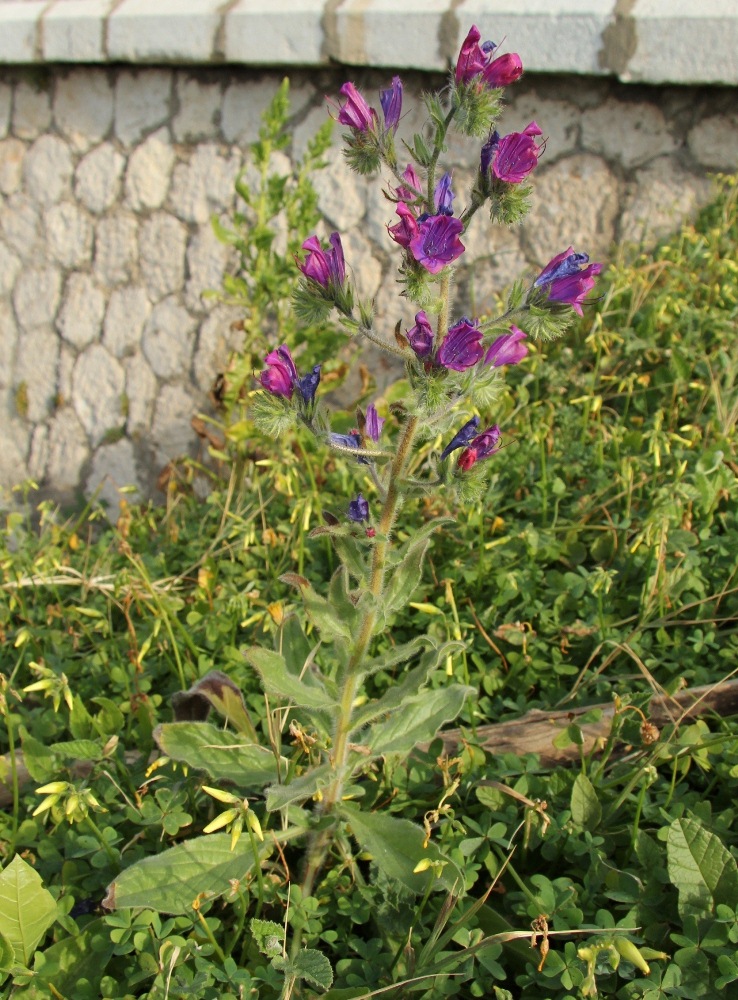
{"points": [[224, 756], [703, 870]]}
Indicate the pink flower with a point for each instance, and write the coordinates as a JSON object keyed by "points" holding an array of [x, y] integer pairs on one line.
{"points": [[566, 280], [462, 345], [517, 154], [508, 349], [475, 61], [405, 231], [482, 446], [356, 113], [437, 242]]}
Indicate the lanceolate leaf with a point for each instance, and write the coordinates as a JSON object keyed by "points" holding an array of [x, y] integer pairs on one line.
{"points": [[171, 881], [223, 755], [319, 610], [299, 789], [27, 909], [701, 867], [397, 846], [398, 654], [278, 681], [417, 721]]}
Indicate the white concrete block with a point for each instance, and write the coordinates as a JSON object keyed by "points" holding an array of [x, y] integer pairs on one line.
{"points": [[74, 31], [281, 33], [19, 30], [168, 31], [385, 33]]}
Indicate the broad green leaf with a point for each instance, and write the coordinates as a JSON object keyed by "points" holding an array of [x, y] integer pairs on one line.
{"points": [[340, 600], [312, 966], [7, 956], [586, 810], [397, 846], [294, 645], [703, 870], [27, 909], [73, 966], [299, 789], [319, 610], [418, 720], [215, 690], [39, 759], [268, 935], [222, 755], [405, 578], [171, 881], [408, 686], [78, 750], [397, 654], [278, 681]]}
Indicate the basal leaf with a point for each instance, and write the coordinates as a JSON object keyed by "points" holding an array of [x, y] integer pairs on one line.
{"points": [[586, 810], [398, 846], [278, 681], [27, 909], [703, 870], [417, 721], [222, 755], [312, 966], [73, 966], [319, 610], [299, 789]]}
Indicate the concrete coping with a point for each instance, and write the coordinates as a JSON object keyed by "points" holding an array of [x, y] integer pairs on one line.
{"points": [[639, 41]]}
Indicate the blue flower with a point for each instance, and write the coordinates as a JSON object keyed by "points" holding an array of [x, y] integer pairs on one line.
{"points": [[462, 437]]}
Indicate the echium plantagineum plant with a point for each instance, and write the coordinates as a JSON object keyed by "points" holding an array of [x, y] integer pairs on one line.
{"points": [[454, 366]]}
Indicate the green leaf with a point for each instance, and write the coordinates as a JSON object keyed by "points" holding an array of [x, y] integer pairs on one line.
{"points": [[319, 610], [703, 870], [39, 759], [397, 654], [7, 956], [27, 909], [586, 810], [268, 935], [222, 755], [78, 750], [171, 881], [418, 720], [397, 846], [405, 578], [299, 789], [340, 601], [312, 966], [278, 681], [74, 966]]}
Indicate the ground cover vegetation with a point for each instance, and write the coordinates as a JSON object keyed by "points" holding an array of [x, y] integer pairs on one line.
{"points": [[590, 560]]}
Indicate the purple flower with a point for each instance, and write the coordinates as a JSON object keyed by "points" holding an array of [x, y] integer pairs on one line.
{"points": [[405, 231], [325, 267], [352, 440], [566, 280], [437, 242], [280, 377], [356, 113], [443, 196], [462, 438], [420, 336], [483, 445], [488, 151], [414, 188], [503, 71], [308, 384], [508, 349], [374, 423], [358, 509], [462, 345], [517, 154], [476, 60], [391, 101]]}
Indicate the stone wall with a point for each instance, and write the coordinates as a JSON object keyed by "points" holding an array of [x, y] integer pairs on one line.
{"points": [[109, 177]]}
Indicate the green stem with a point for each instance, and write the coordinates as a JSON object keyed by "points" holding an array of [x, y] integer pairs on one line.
{"points": [[210, 936], [13, 776], [259, 875], [112, 856]]}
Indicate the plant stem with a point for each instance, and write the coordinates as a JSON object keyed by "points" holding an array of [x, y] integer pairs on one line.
{"points": [[211, 937], [112, 857]]}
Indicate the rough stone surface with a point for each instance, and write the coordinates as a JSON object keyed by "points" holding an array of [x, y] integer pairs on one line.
{"points": [[113, 468], [47, 170], [68, 450], [36, 297], [626, 132], [199, 108], [128, 309], [13, 468], [9, 267], [162, 243], [68, 235], [341, 193], [205, 184], [5, 102], [81, 315], [83, 107], [207, 260], [714, 142], [663, 197], [215, 344], [98, 382], [167, 339], [558, 119], [8, 342], [36, 359], [173, 436], [97, 179], [244, 103], [564, 215], [142, 103], [31, 110], [149, 170], [141, 392], [116, 248], [12, 153], [21, 225]]}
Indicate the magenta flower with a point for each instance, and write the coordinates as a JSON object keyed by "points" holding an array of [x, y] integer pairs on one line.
{"points": [[437, 242], [443, 196], [374, 423], [356, 113], [566, 280], [280, 376], [475, 61], [420, 336], [462, 345], [325, 267], [516, 154], [391, 101], [405, 231], [508, 349], [482, 446], [462, 437], [414, 188]]}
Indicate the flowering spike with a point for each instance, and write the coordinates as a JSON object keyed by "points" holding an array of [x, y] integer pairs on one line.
{"points": [[373, 424], [420, 336], [516, 155], [308, 384], [443, 196], [476, 62], [280, 376], [356, 113], [405, 231]]}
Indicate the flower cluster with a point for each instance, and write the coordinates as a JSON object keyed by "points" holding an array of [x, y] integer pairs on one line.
{"points": [[477, 63], [461, 347], [432, 240], [281, 378], [476, 446], [565, 280]]}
